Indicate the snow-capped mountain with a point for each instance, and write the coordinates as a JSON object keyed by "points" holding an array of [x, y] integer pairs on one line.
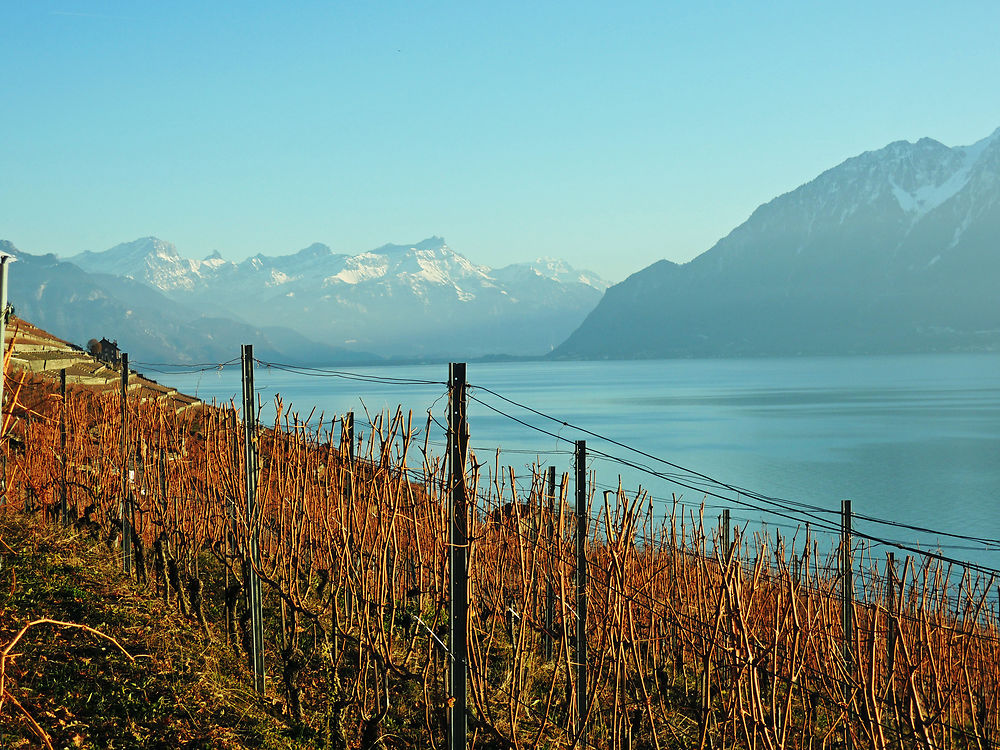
{"points": [[77, 306], [149, 260], [550, 268], [893, 250], [420, 299]]}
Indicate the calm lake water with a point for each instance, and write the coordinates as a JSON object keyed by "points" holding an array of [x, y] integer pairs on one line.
{"points": [[914, 439]]}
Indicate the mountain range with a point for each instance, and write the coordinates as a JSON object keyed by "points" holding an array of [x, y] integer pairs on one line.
{"points": [[78, 306], [894, 250], [419, 301]]}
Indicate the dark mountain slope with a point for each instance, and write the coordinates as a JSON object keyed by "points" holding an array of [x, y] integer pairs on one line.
{"points": [[892, 251]]}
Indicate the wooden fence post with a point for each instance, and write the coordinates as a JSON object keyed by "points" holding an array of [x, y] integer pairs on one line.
{"points": [[125, 504], [581, 594], [847, 611], [252, 563], [347, 441], [232, 529], [890, 600], [727, 536], [458, 569], [550, 541], [63, 510]]}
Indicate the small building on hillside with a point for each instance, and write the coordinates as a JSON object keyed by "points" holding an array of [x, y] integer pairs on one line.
{"points": [[105, 351]]}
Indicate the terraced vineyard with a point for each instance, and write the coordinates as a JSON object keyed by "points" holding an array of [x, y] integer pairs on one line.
{"points": [[695, 639]]}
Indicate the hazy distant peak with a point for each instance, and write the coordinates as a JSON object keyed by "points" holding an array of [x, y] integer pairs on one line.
{"points": [[213, 261], [138, 248], [552, 269], [431, 243], [918, 177], [315, 250], [145, 246], [988, 145], [905, 151], [993, 137]]}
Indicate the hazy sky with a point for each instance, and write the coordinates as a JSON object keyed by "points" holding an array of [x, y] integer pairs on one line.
{"points": [[608, 134]]}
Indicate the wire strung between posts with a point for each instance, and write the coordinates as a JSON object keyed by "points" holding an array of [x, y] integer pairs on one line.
{"points": [[642, 453], [817, 524], [691, 479], [185, 368], [990, 542], [676, 479], [432, 634], [823, 526], [652, 604], [319, 372], [686, 482]]}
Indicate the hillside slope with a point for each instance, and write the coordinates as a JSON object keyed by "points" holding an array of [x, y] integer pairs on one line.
{"points": [[173, 689]]}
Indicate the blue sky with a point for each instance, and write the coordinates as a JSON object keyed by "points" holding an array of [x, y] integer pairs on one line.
{"points": [[611, 135]]}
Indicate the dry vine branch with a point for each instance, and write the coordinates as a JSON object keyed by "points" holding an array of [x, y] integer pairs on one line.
{"points": [[5, 654]]}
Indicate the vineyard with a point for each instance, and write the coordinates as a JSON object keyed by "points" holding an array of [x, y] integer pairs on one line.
{"points": [[696, 634]]}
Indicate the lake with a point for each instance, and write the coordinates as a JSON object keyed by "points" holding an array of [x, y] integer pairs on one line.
{"points": [[913, 439]]}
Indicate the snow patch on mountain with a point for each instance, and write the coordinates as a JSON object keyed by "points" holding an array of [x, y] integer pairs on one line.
{"points": [[923, 199], [554, 269], [362, 268]]}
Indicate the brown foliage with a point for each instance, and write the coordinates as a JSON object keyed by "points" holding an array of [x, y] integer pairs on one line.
{"points": [[686, 647]]}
